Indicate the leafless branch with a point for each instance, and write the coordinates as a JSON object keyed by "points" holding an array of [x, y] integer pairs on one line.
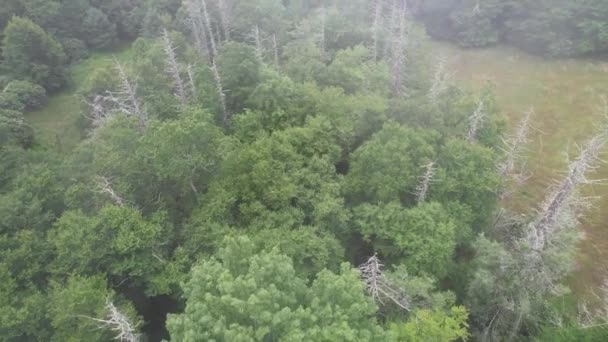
{"points": [[119, 323], [562, 197], [174, 70], [514, 149], [441, 80], [126, 97], [104, 185], [191, 83], [476, 121], [425, 182], [378, 287]]}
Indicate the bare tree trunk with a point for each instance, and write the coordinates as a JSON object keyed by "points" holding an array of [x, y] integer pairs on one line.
{"points": [[105, 186], [224, 18], [379, 287], [322, 39], [126, 98], [514, 148], [259, 46], [476, 122], [398, 45], [173, 69], [220, 92], [119, 323], [425, 182], [192, 84], [559, 199], [275, 49], [377, 27], [441, 80], [210, 35]]}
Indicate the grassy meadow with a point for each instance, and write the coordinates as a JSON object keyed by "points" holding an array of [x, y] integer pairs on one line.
{"points": [[57, 123]]}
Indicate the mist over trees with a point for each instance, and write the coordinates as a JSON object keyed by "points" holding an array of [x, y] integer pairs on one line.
{"points": [[266, 170]]}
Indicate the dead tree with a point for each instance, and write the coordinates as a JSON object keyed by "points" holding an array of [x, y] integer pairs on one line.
{"points": [[275, 50], [398, 46], [441, 80], [256, 36], [224, 18], [220, 93], [476, 121], [126, 97], [377, 25], [207, 23], [322, 38], [514, 149], [562, 196], [119, 323], [379, 287], [104, 185], [191, 83], [101, 109], [425, 182], [174, 70]]}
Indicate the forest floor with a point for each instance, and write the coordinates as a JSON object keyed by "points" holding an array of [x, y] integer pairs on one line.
{"points": [[57, 123], [567, 97]]}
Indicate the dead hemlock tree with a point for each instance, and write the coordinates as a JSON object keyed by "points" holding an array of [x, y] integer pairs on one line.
{"points": [[256, 36], [476, 122], [514, 149], [563, 198], [119, 323], [425, 182], [379, 287], [377, 25], [126, 97], [399, 37], [191, 83], [101, 109], [224, 18], [275, 50], [441, 80], [174, 70], [104, 185], [201, 23]]}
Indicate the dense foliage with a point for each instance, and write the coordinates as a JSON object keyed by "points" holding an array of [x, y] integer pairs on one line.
{"points": [[553, 27], [240, 166]]}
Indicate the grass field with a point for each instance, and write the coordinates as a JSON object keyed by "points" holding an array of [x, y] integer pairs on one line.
{"points": [[56, 123], [566, 95]]}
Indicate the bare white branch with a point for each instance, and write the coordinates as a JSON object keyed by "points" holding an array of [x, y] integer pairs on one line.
{"points": [[515, 146], [104, 185], [425, 182], [561, 198], [476, 121], [119, 323], [441, 80], [126, 97], [174, 70], [379, 287]]}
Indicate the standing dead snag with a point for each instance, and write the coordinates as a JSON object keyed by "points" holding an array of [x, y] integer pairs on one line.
{"points": [[379, 287], [275, 50], [476, 122], [376, 27], [126, 98], [105, 187], [514, 149], [220, 93], [425, 182], [224, 18], [563, 194], [207, 23], [173, 69], [441, 80], [398, 44], [191, 83], [259, 46], [119, 323]]}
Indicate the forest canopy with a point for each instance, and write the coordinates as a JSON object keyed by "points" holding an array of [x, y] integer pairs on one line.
{"points": [[267, 170]]}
